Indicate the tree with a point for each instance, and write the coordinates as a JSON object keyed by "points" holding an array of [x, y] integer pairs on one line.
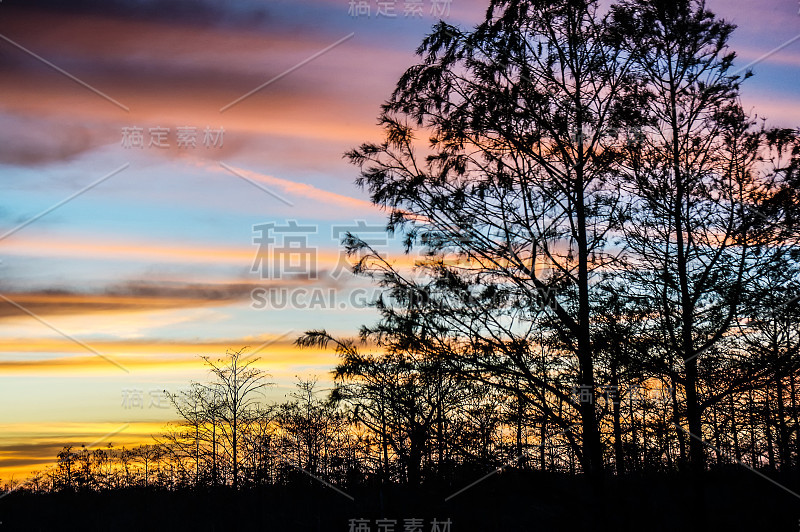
{"points": [[695, 180], [190, 437], [63, 478], [236, 388], [399, 395], [149, 456], [771, 337], [524, 116]]}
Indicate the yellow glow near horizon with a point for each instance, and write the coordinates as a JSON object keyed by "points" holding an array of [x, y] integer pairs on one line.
{"points": [[31, 447]]}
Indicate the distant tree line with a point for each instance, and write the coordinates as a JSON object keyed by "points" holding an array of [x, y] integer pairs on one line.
{"points": [[402, 418]]}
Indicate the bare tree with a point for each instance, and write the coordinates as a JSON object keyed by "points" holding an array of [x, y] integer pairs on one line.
{"points": [[238, 385]]}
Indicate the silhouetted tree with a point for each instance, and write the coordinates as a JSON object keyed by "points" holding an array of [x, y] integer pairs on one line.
{"points": [[398, 395], [522, 116], [236, 387], [696, 180]]}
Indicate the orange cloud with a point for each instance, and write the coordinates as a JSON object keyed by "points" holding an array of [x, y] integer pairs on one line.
{"points": [[175, 74], [152, 354], [31, 244]]}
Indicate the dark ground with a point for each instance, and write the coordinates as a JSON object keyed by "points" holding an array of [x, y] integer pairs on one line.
{"points": [[511, 501]]}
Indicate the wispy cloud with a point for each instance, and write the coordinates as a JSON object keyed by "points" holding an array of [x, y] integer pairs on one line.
{"points": [[309, 192]]}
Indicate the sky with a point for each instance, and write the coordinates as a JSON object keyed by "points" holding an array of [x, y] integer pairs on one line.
{"points": [[172, 184]]}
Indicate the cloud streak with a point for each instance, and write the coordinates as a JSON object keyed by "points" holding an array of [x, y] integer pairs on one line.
{"points": [[310, 192], [141, 296]]}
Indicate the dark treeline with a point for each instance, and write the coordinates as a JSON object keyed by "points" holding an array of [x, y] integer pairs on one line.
{"points": [[402, 437], [608, 284], [402, 420]]}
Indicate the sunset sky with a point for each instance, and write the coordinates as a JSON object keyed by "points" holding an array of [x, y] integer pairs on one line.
{"points": [[112, 296]]}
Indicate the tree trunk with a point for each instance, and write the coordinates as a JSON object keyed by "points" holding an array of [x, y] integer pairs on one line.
{"points": [[592, 449], [737, 450], [768, 430], [795, 417], [717, 436], [676, 419], [753, 461], [783, 444], [619, 452], [542, 442]]}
